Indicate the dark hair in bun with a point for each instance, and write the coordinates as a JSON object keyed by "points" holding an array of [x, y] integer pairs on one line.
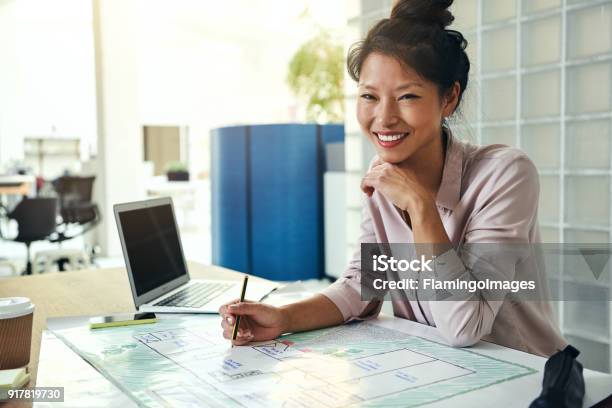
{"points": [[416, 35], [426, 11]]}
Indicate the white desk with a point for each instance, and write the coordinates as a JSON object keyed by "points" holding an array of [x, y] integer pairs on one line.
{"points": [[83, 383], [515, 393], [17, 185], [107, 291]]}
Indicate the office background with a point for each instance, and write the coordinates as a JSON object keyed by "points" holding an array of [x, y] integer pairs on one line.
{"points": [[74, 100]]}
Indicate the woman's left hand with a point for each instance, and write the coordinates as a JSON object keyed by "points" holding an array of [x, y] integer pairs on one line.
{"points": [[400, 188]]}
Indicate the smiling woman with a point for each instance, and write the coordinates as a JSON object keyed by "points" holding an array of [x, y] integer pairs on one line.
{"points": [[409, 66], [426, 187]]}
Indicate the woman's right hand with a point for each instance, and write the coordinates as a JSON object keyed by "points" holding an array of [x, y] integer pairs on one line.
{"points": [[258, 321]]}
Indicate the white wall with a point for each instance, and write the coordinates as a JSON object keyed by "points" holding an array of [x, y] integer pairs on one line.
{"points": [[120, 144], [10, 137], [207, 64], [215, 63]]}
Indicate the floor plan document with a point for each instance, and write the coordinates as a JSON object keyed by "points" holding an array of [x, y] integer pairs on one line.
{"points": [[186, 362]]}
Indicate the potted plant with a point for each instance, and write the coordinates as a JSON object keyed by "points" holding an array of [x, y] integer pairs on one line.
{"points": [[177, 171], [316, 74]]}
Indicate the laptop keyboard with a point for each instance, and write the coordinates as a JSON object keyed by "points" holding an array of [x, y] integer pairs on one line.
{"points": [[195, 295]]}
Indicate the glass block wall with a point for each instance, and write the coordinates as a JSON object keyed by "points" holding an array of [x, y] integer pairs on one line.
{"points": [[541, 80]]}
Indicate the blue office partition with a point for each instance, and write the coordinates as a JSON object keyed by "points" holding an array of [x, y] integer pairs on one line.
{"points": [[332, 133], [276, 193], [230, 198], [285, 207]]}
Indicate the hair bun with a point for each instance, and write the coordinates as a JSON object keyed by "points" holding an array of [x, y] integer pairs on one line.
{"points": [[433, 12]]}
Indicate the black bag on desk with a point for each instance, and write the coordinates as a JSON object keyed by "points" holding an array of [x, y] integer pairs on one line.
{"points": [[563, 384]]}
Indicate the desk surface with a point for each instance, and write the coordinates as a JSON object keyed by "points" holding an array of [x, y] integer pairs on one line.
{"points": [[85, 292], [16, 184], [99, 292]]}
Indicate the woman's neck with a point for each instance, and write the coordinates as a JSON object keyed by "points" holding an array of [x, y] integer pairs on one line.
{"points": [[427, 164]]}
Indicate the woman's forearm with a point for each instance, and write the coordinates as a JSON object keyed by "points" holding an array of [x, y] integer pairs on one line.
{"points": [[312, 313], [428, 229]]}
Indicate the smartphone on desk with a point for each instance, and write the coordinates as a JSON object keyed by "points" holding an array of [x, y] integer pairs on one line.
{"points": [[126, 319]]}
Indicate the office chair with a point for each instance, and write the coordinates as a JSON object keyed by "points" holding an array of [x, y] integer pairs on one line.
{"points": [[79, 213], [5, 262], [36, 220]]}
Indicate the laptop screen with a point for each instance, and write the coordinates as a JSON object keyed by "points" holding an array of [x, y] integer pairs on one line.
{"points": [[152, 245]]}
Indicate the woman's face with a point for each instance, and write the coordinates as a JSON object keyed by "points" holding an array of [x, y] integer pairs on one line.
{"points": [[398, 110]]}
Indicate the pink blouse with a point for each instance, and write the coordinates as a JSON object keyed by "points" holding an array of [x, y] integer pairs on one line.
{"points": [[488, 194]]}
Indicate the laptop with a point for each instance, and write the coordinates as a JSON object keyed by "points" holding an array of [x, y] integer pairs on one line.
{"points": [[156, 265]]}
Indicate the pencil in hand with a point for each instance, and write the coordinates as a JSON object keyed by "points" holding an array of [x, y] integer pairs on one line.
{"points": [[237, 320]]}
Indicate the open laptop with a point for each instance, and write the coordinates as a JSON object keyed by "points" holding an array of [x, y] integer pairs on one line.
{"points": [[156, 265]]}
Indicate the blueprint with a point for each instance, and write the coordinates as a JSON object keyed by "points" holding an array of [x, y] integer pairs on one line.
{"points": [[186, 362]]}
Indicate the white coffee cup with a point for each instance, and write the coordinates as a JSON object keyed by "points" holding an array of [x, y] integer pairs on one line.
{"points": [[16, 315]]}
